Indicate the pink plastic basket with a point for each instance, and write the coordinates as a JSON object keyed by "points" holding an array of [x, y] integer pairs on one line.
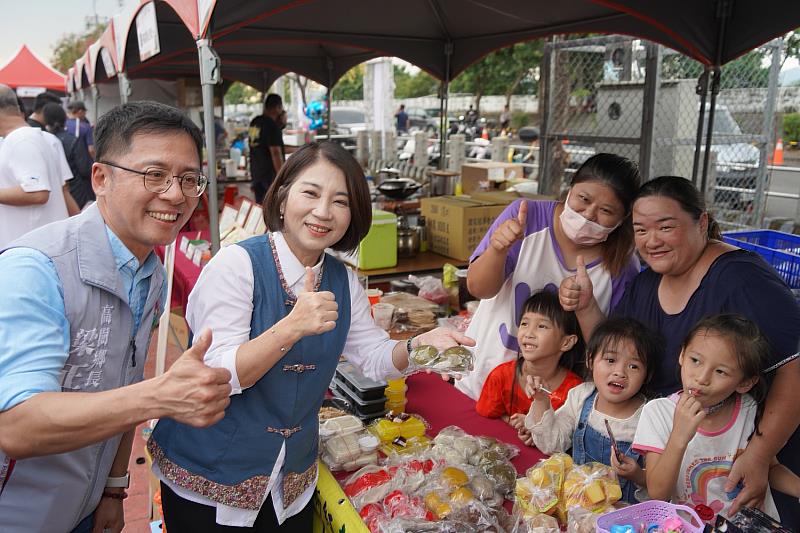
{"points": [[649, 512]]}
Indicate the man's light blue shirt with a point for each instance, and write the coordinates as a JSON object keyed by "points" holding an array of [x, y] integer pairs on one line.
{"points": [[34, 332]]}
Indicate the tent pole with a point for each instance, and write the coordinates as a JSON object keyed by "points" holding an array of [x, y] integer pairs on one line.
{"points": [[124, 87], [95, 100], [724, 10], [328, 95], [443, 104], [210, 76], [702, 90], [544, 112], [652, 84], [710, 132], [768, 128]]}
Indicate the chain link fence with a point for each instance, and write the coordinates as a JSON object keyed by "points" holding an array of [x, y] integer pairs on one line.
{"points": [[641, 100]]}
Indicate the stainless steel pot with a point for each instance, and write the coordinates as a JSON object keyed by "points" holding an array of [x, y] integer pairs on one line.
{"points": [[443, 182], [407, 242]]}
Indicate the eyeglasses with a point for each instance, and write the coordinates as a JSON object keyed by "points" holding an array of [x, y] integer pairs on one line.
{"points": [[158, 180]]}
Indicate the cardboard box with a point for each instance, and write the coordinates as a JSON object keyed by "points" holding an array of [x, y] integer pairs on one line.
{"points": [[506, 197], [488, 175], [456, 224]]}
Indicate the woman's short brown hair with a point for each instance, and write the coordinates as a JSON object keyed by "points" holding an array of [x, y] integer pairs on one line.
{"points": [[357, 190]]}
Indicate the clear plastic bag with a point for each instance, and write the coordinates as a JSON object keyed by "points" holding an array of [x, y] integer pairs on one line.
{"points": [[490, 456], [369, 485], [455, 361], [580, 520], [593, 486], [540, 490], [415, 525], [523, 522], [431, 289]]}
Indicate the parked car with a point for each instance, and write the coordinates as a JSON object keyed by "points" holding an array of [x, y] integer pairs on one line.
{"points": [[347, 120], [420, 119], [737, 161]]}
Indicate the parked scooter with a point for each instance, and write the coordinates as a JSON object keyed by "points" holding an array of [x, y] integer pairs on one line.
{"points": [[462, 127]]}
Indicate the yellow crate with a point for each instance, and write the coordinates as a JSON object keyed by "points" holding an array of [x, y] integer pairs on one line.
{"points": [[333, 512]]}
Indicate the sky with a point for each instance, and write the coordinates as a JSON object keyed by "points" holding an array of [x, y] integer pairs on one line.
{"points": [[40, 23]]}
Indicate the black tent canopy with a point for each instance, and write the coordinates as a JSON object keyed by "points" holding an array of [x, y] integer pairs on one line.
{"points": [[322, 39], [422, 31]]}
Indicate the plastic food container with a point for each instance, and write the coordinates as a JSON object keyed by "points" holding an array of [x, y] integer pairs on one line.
{"points": [[396, 396], [365, 418], [386, 430], [368, 443], [396, 406], [396, 385], [339, 426], [343, 449], [413, 427], [362, 387], [361, 406]]}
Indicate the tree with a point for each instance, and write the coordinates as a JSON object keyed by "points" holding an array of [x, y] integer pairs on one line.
{"points": [[743, 72], [408, 85], [792, 42], [71, 46], [508, 71], [239, 93], [302, 83], [351, 85]]}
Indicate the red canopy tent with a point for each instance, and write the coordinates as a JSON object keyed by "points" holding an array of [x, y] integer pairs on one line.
{"points": [[27, 70]]}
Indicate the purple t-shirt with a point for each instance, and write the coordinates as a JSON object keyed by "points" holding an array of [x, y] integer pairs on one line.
{"points": [[534, 263], [540, 217]]}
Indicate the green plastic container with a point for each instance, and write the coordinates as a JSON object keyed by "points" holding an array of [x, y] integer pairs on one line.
{"points": [[379, 248]]}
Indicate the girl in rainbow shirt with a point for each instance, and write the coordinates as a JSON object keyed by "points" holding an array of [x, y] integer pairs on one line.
{"points": [[691, 439]]}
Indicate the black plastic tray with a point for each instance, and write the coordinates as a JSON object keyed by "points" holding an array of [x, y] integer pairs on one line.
{"points": [[362, 387], [364, 407], [364, 418]]}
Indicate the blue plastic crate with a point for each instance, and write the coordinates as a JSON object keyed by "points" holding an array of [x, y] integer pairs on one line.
{"points": [[781, 250]]}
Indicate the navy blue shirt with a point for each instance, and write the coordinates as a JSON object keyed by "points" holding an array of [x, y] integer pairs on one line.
{"points": [[402, 121], [737, 282]]}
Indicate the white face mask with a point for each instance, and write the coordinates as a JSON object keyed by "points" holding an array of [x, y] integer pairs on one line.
{"points": [[581, 230]]}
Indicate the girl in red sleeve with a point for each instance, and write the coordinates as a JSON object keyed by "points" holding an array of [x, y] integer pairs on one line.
{"points": [[549, 341]]}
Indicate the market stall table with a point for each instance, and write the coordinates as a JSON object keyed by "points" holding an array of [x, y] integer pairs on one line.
{"points": [[441, 405], [423, 262]]}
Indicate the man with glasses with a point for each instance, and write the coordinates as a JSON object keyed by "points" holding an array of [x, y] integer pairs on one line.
{"points": [[80, 299]]}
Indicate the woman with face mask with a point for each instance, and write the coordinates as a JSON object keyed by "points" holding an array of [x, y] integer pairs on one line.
{"points": [[535, 244]]}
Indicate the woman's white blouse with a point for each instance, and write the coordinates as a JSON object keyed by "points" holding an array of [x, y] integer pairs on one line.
{"points": [[222, 300]]}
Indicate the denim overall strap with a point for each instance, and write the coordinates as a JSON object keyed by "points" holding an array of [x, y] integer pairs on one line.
{"points": [[578, 437], [589, 445]]}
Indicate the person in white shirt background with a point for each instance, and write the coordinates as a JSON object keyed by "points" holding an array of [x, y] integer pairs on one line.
{"points": [[282, 312], [33, 172]]}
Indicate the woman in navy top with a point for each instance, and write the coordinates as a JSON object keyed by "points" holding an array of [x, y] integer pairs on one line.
{"points": [[694, 274]]}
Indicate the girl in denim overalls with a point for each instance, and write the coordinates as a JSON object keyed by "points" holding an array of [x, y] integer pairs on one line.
{"points": [[620, 358]]}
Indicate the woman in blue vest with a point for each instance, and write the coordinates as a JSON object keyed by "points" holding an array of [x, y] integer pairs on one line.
{"points": [[282, 312]]}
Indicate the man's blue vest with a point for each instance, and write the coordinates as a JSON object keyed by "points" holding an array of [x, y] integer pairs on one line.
{"points": [[231, 461]]}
